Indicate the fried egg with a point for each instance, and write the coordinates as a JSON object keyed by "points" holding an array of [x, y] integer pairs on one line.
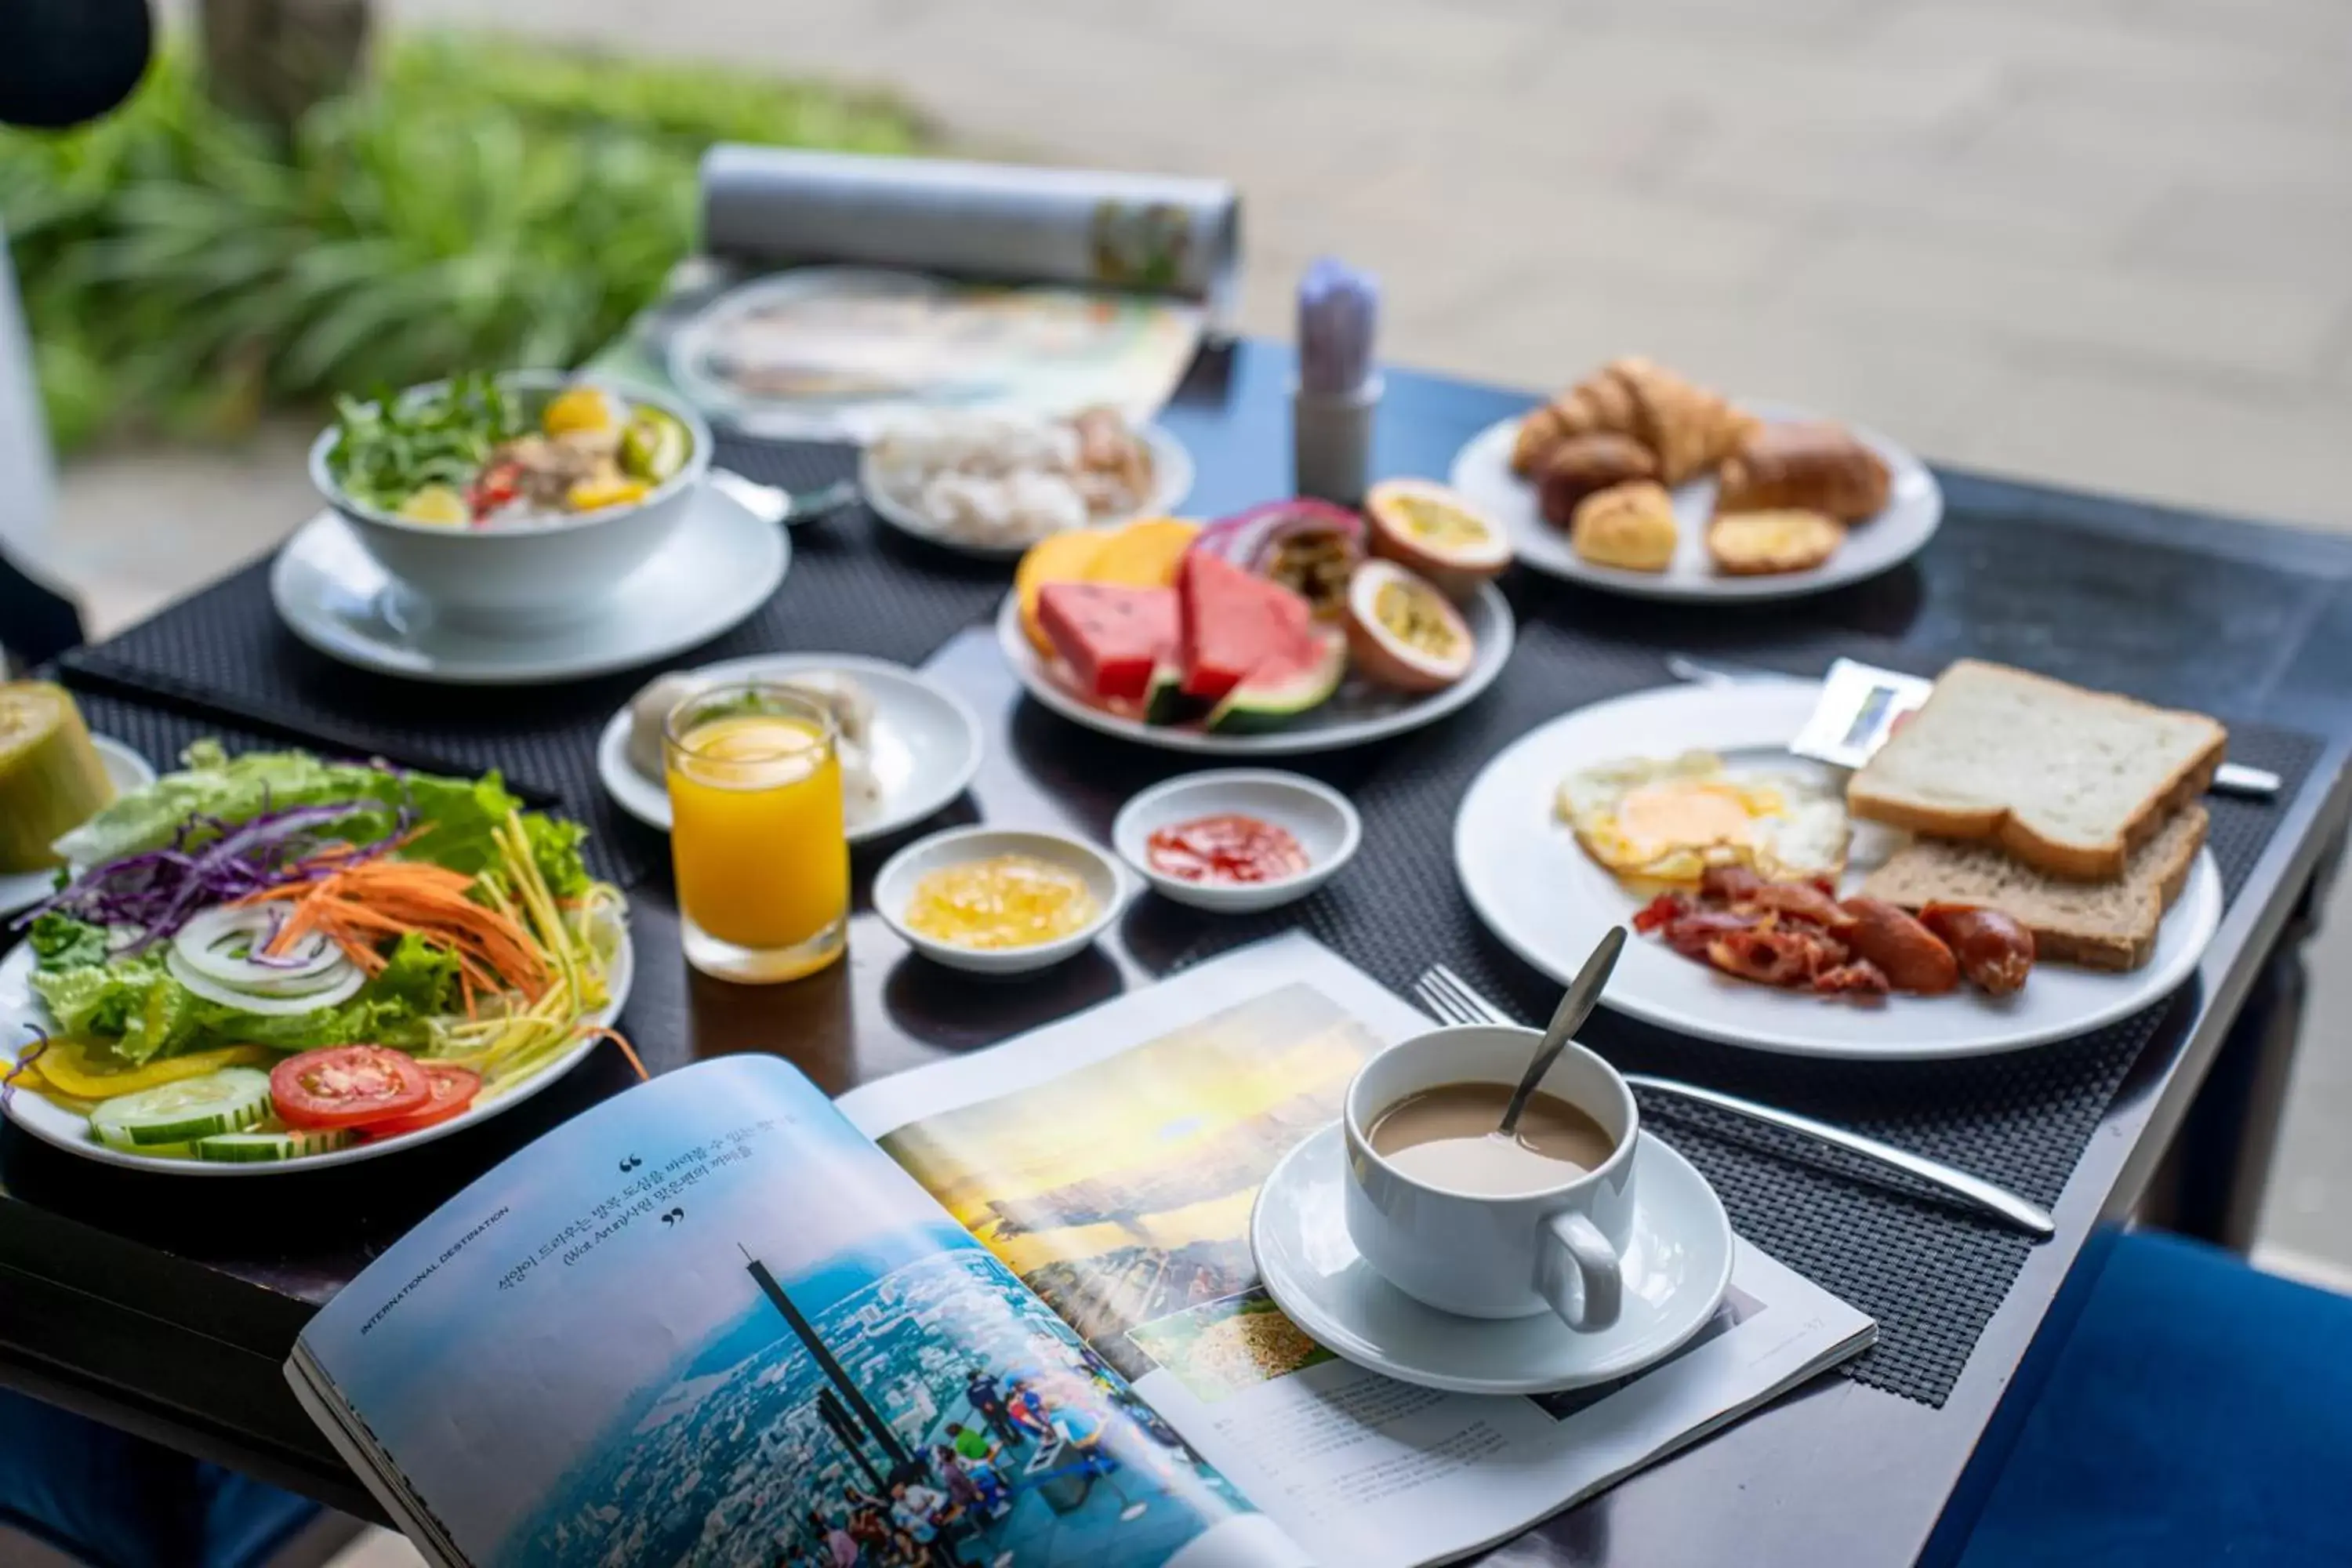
{"points": [[1668, 821]]}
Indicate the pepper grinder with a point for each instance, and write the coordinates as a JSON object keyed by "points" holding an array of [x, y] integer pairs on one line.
{"points": [[1337, 392]]}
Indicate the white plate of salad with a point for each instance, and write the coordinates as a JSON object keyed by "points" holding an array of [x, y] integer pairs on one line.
{"points": [[271, 962]]}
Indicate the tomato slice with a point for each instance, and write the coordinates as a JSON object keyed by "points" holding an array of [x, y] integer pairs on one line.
{"points": [[453, 1090], [348, 1085]]}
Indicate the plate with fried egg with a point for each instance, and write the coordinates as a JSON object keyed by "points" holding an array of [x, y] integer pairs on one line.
{"points": [[1581, 822]]}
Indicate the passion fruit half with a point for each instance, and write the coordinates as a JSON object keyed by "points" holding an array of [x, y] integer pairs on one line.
{"points": [[1438, 534], [1403, 633]]}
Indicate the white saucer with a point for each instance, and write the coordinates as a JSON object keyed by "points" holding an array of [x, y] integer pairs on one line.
{"points": [[722, 565], [924, 749], [128, 771], [1676, 1272]]}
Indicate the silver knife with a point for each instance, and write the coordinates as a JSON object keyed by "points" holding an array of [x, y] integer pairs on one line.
{"points": [[772, 504], [1860, 703]]}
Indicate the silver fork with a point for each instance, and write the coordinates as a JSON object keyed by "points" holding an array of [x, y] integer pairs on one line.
{"points": [[1451, 999]]}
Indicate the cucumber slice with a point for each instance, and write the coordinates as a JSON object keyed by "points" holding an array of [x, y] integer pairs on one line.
{"points": [[223, 1102], [160, 1150], [246, 1148]]}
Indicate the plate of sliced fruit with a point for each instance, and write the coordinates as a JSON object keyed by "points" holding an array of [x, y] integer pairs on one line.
{"points": [[273, 962], [1292, 628]]}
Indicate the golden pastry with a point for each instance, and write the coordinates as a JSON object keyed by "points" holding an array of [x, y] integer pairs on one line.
{"points": [[1818, 466], [1586, 465], [1757, 543], [1689, 429], [1629, 526]]}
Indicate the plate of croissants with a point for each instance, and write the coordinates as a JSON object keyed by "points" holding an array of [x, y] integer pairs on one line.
{"points": [[1641, 482]]}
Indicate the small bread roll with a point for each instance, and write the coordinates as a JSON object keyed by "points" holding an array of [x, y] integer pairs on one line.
{"points": [[1629, 526], [1586, 465], [1755, 544]]}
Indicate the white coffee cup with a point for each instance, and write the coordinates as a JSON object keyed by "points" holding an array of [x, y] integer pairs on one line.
{"points": [[1558, 1250]]}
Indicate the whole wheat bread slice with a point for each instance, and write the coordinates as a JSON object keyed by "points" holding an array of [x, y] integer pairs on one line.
{"points": [[2100, 925], [2068, 780]]}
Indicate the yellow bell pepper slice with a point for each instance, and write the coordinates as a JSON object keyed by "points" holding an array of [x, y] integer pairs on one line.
{"points": [[67, 1065]]}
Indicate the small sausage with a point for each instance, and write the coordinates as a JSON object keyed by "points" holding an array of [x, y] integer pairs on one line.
{"points": [[1995, 952], [1906, 952]]}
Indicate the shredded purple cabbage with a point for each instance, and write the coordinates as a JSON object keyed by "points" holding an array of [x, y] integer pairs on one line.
{"points": [[208, 862]]}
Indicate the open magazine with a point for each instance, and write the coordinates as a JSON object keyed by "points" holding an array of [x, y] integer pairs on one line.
{"points": [[999, 1311]]}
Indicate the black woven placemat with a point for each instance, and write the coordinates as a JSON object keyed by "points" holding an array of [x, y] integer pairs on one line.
{"points": [[1930, 1273], [855, 585]]}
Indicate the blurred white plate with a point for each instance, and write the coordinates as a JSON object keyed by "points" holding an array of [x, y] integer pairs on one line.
{"points": [[128, 770], [1482, 470], [1537, 889], [1357, 714], [924, 749], [722, 565], [1172, 474]]}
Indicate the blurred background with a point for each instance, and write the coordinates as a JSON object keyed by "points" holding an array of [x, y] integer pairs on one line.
{"points": [[2103, 244]]}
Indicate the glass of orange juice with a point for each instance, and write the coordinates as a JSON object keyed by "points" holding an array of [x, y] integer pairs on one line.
{"points": [[756, 834]]}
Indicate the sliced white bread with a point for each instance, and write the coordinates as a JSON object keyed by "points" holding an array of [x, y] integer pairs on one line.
{"points": [[2068, 780], [2099, 925]]}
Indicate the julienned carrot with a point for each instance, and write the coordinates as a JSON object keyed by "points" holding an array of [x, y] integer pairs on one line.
{"points": [[357, 906]]}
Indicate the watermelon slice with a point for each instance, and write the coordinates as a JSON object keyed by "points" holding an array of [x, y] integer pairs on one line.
{"points": [[1232, 622], [1110, 636]]}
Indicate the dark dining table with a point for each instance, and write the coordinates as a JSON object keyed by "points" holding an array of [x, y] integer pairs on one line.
{"points": [[168, 1305]]}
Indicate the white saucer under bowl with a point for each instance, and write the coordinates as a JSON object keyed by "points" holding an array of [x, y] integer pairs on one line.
{"points": [[128, 771], [1676, 1272], [720, 564], [926, 743]]}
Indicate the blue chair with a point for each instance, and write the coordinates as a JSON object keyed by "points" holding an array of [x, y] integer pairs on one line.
{"points": [[113, 1500], [2199, 1412]]}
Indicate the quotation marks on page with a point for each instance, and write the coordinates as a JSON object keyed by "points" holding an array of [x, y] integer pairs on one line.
{"points": [[631, 1163], [673, 1217]]}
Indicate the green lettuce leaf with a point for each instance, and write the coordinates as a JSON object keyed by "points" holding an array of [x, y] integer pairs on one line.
{"points": [[555, 850], [458, 814], [60, 941], [132, 1004], [419, 981]]}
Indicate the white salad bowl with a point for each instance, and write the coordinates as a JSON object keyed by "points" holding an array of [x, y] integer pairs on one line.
{"points": [[1318, 815], [894, 889], [543, 570]]}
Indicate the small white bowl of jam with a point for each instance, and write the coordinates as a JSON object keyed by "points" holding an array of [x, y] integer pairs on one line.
{"points": [[996, 900], [1237, 840]]}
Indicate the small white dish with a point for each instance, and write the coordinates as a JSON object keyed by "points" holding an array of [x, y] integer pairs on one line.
{"points": [[924, 749], [128, 771], [720, 566], [1318, 815], [69, 1129], [894, 887], [1914, 506], [1357, 714], [1676, 1267], [1172, 476]]}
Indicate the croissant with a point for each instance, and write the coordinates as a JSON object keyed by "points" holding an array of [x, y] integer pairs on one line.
{"points": [[1818, 466], [1689, 429]]}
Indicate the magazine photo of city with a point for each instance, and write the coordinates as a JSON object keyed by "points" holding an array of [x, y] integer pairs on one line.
{"points": [[1120, 1192], [933, 1416], [799, 1359]]}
